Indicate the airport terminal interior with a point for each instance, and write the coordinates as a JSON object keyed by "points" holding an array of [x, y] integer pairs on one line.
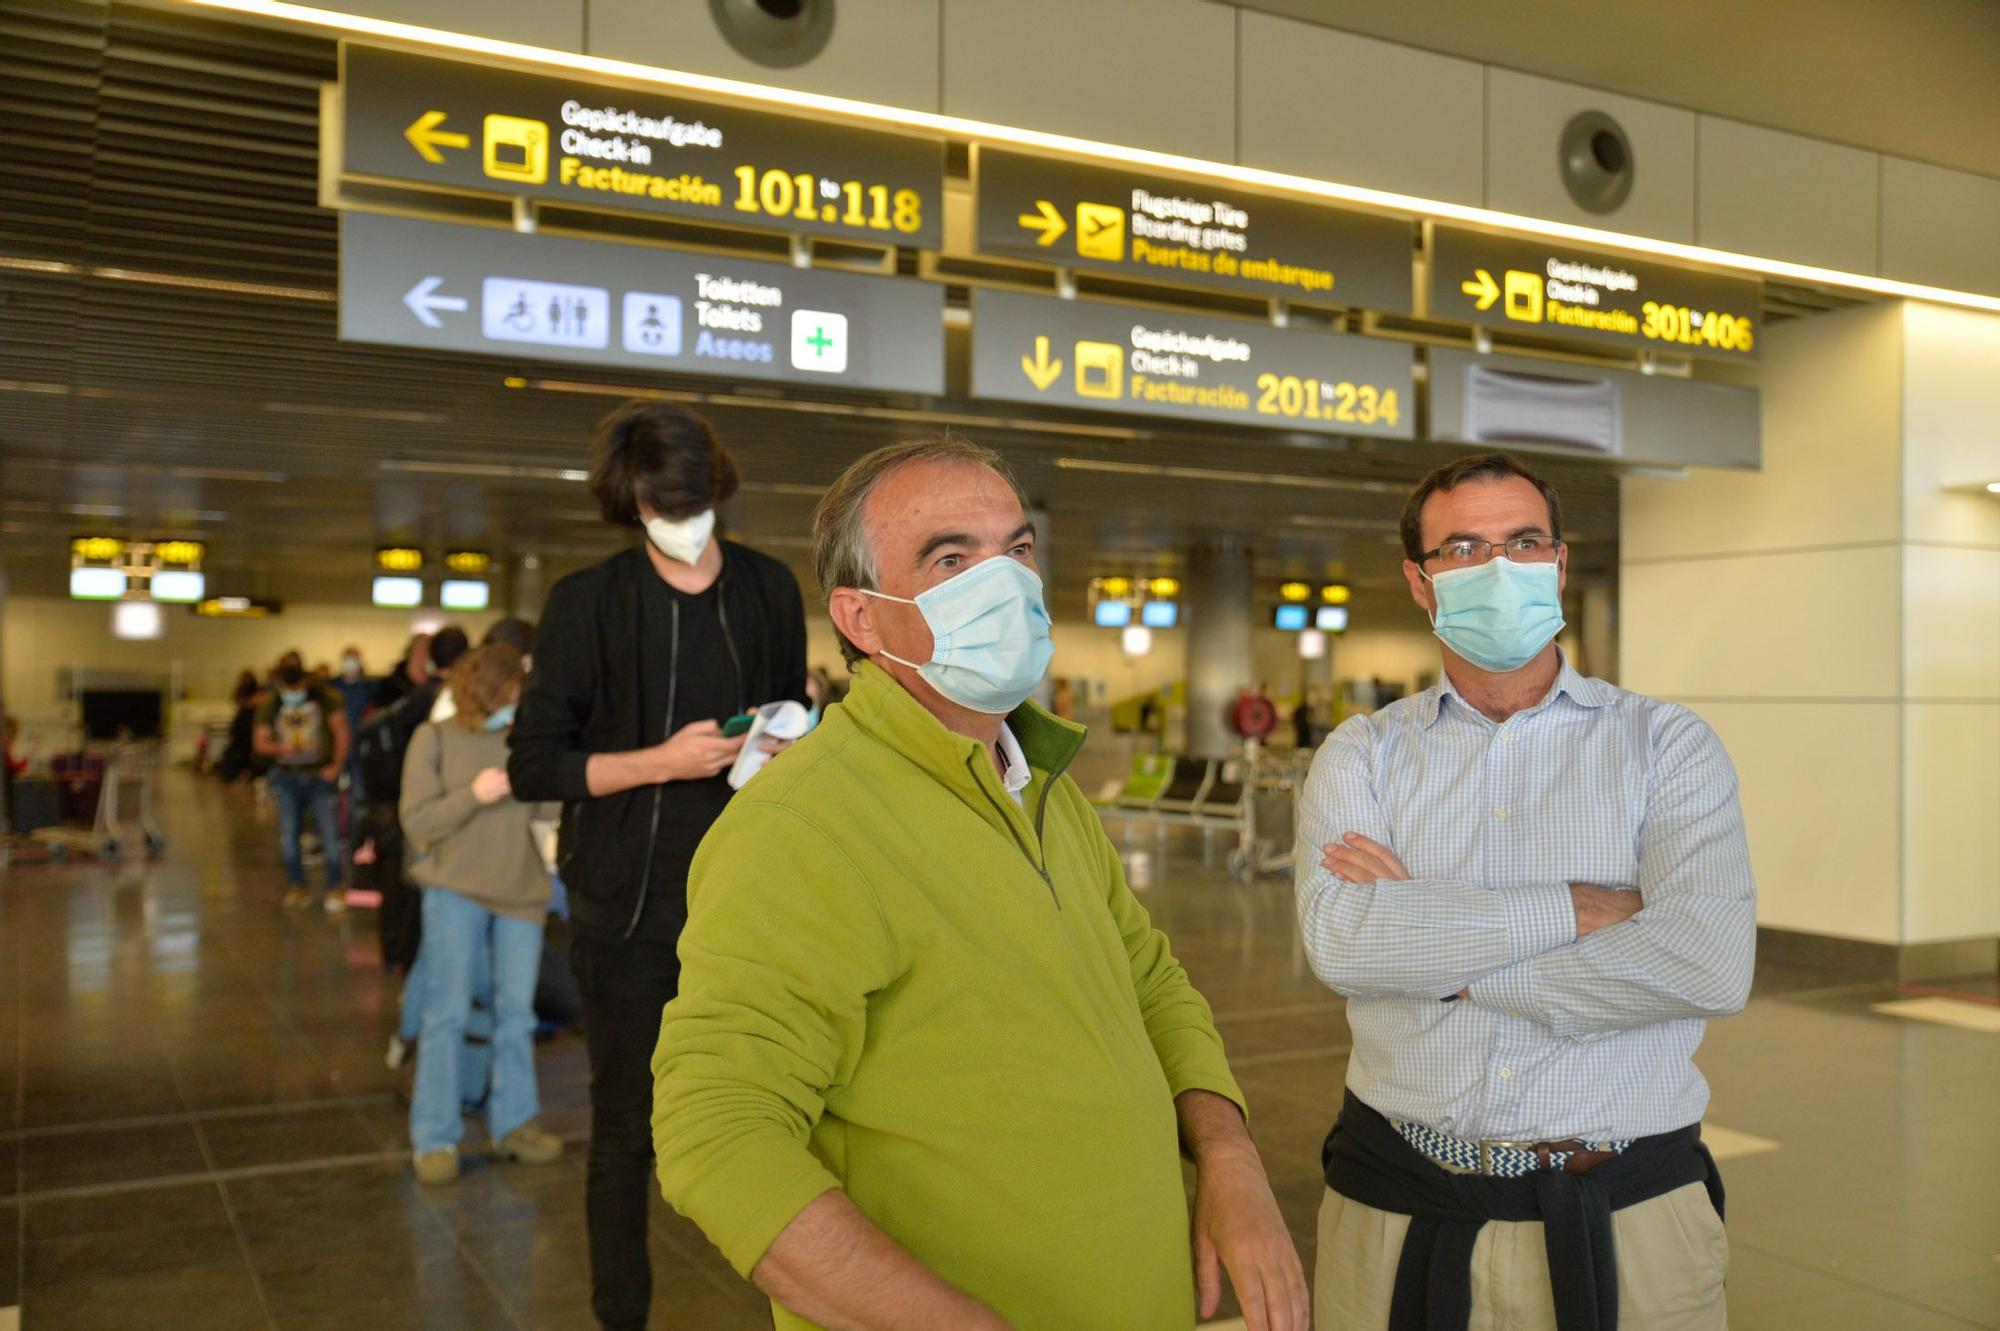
{"points": [[309, 316]]}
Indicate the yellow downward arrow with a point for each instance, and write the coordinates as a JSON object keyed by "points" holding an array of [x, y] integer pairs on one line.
{"points": [[425, 136], [1041, 371], [1045, 219], [1484, 291]]}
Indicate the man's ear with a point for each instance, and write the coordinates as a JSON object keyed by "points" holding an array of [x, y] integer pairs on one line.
{"points": [[852, 614], [1420, 589], [1562, 569]]}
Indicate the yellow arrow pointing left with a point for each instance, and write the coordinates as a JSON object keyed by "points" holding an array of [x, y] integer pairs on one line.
{"points": [[425, 136], [1484, 291]]}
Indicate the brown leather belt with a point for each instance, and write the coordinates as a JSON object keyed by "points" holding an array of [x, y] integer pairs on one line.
{"points": [[1581, 1158]]}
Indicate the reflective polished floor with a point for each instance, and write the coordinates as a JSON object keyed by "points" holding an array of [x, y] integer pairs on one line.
{"points": [[197, 1129]]}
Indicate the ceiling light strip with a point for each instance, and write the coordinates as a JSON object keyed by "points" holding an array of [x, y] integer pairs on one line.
{"points": [[493, 470], [146, 277], [904, 118], [212, 284]]}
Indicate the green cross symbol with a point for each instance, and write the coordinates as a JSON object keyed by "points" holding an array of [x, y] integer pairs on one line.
{"points": [[819, 341]]}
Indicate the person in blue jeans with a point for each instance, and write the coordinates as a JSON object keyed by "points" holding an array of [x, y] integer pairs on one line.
{"points": [[356, 691], [486, 893], [302, 729]]}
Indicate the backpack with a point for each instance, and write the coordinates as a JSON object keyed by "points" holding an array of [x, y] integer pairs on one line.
{"points": [[385, 737]]}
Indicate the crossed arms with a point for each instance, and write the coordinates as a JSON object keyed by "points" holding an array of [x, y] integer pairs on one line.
{"points": [[1580, 959]]}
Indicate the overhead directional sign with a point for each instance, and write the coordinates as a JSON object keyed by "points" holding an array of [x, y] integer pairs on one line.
{"points": [[1105, 357], [462, 126], [1556, 290], [460, 288], [1188, 232]]}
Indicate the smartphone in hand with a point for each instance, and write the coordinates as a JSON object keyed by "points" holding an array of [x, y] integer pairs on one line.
{"points": [[738, 725]]}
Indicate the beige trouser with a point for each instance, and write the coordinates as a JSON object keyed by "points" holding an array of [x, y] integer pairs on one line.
{"points": [[1672, 1256]]}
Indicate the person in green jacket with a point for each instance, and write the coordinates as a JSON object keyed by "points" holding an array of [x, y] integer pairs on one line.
{"points": [[931, 1066]]}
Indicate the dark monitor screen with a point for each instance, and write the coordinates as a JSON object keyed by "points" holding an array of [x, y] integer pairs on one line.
{"points": [[113, 713]]}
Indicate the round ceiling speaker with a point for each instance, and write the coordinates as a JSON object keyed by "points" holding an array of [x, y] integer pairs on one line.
{"points": [[777, 34], [1595, 157]]}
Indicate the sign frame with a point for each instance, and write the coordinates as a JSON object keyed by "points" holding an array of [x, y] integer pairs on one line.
{"points": [[1043, 351], [494, 131], [442, 286], [1496, 280], [1193, 209]]}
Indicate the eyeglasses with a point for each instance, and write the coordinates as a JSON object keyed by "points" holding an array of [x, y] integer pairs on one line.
{"points": [[1470, 553]]}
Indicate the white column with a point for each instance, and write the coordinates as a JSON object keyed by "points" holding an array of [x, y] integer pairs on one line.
{"points": [[1951, 625], [1836, 617]]}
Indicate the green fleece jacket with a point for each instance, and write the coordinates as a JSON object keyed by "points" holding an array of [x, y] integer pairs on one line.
{"points": [[898, 982]]}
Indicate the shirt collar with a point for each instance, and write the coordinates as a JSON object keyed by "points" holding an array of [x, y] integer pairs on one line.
{"points": [[1016, 776], [1580, 689]]}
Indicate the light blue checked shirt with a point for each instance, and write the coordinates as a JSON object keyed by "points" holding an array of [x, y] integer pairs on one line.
{"points": [[1561, 1037]]}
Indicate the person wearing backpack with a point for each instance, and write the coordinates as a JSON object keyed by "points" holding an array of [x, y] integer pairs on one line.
{"points": [[302, 729], [485, 892]]}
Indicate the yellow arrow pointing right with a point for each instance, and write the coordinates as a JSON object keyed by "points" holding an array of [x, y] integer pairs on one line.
{"points": [[1484, 291], [425, 136], [1041, 371], [1046, 219]]}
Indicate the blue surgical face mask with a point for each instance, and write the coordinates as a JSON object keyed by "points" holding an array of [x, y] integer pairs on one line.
{"points": [[990, 635], [291, 697], [812, 716], [500, 717], [1500, 614]]}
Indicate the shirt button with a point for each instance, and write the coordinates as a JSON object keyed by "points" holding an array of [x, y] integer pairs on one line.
{"points": [[1501, 814], [1506, 1072]]}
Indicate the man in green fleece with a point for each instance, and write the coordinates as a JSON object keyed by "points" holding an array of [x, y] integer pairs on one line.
{"points": [[931, 1066]]}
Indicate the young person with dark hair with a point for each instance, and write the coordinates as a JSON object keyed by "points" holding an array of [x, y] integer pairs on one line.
{"points": [[639, 661], [516, 632], [382, 742], [407, 675]]}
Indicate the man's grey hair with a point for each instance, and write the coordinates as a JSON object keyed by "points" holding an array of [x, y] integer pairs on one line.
{"points": [[843, 556]]}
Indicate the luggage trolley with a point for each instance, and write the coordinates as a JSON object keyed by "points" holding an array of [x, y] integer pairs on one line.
{"points": [[1264, 833], [124, 815]]}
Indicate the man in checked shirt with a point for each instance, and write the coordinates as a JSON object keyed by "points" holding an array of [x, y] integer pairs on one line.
{"points": [[1533, 889]]}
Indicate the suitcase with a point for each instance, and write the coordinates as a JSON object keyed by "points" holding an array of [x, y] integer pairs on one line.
{"points": [[80, 784], [37, 803]]}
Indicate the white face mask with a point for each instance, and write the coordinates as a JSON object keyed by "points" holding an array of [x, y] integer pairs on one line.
{"points": [[684, 540], [350, 667]]}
